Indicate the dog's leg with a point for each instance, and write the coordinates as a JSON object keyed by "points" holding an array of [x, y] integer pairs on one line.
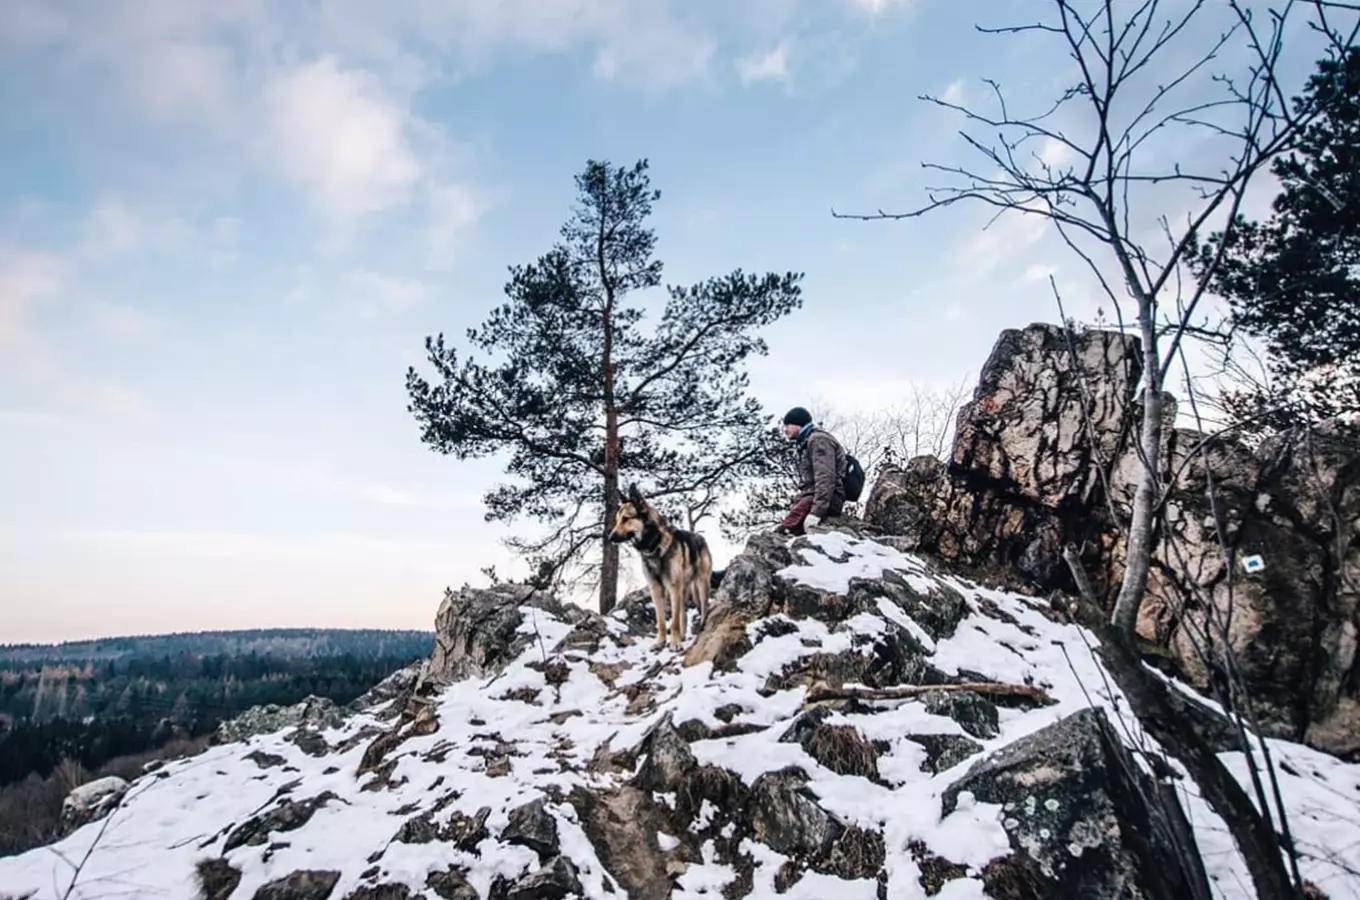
{"points": [[673, 582], [659, 604], [702, 585], [677, 592]]}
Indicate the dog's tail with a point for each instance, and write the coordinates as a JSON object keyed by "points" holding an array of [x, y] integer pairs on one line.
{"points": [[715, 578]]}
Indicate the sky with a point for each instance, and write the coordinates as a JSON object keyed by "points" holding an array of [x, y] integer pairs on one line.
{"points": [[227, 228]]}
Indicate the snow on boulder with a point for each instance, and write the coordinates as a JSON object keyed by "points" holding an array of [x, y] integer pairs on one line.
{"points": [[852, 722], [91, 801]]}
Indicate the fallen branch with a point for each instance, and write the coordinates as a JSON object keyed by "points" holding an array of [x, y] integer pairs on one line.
{"points": [[819, 692]]}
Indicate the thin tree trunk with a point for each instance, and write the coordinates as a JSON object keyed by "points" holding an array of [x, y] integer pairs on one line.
{"points": [[1138, 552], [609, 563]]}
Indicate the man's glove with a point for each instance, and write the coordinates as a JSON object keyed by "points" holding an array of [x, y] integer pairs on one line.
{"points": [[812, 521]]}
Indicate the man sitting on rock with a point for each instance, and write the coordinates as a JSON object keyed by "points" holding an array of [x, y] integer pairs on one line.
{"points": [[821, 466]]}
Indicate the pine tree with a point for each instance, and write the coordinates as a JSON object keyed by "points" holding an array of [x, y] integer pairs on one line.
{"points": [[583, 392], [1294, 280]]}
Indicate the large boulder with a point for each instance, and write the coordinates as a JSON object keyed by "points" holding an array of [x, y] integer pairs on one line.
{"points": [[477, 631], [1048, 431], [1024, 432], [1290, 625], [1082, 818], [1022, 479], [311, 714], [91, 802]]}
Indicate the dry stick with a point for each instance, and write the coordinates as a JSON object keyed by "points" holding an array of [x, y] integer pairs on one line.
{"points": [[820, 692], [1148, 697]]}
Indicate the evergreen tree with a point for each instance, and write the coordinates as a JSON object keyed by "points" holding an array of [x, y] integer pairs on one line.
{"points": [[583, 392], [1294, 280]]}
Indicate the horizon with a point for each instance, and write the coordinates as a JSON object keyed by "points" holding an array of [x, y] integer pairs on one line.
{"points": [[204, 633], [226, 232]]}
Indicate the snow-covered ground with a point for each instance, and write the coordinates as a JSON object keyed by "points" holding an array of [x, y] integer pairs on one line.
{"points": [[173, 818]]}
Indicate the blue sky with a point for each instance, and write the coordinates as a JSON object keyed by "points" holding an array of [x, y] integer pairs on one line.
{"points": [[226, 228]]}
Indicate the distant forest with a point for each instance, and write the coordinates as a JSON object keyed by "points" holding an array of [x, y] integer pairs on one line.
{"points": [[93, 701]]}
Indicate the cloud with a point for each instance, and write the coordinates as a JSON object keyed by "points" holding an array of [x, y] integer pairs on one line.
{"points": [[1003, 242], [877, 6], [113, 401], [332, 131], [26, 279], [112, 228], [772, 66], [1054, 153], [655, 52], [452, 210], [1039, 272], [30, 23], [955, 92], [121, 322], [375, 294], [22, 418], [390, 495], [175, 80]]}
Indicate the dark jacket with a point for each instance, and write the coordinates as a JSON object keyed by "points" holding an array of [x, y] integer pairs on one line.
{"points": [[821, 466]]}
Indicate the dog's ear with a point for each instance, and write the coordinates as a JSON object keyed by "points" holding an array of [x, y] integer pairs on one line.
{"points": [[620, 496], [635, 496]]}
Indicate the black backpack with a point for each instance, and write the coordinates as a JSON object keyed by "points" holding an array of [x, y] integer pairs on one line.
{"points": [[853, 478]]}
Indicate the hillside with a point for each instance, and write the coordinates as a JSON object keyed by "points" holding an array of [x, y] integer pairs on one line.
{"points": [[195, 677], [87, 708], [278, 642], [842, 727]]}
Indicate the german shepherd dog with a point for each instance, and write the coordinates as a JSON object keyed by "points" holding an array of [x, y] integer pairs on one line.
{"points": [[677, 563]]}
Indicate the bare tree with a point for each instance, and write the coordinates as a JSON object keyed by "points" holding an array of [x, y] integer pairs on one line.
{"points": [[1130, 98], [1088, 162]]}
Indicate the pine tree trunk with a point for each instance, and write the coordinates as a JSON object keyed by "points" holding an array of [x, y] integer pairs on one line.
{"points": [[609, 562]]}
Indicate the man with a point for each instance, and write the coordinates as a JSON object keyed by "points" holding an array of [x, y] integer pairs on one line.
{"points": [[821, 464]]}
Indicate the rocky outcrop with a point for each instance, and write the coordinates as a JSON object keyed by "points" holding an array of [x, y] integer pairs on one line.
{"points": [[91, 802], [1026, 477], [852, 721], [478, 631], [1023, 475], [310, 715]]}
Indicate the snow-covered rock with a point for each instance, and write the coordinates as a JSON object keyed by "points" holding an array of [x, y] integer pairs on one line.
{"points": [[310, 712], [816, 740], [91, 801]]}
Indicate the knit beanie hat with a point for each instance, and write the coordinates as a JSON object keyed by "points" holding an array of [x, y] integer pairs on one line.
{"points": [[798, 416]]}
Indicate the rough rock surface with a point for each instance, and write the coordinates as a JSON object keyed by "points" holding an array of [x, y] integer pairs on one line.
{"points": [[478, 631], [1071, 792], [1024, 479], [813, 749], [300, 885], [91, 802], [310, 715]]}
